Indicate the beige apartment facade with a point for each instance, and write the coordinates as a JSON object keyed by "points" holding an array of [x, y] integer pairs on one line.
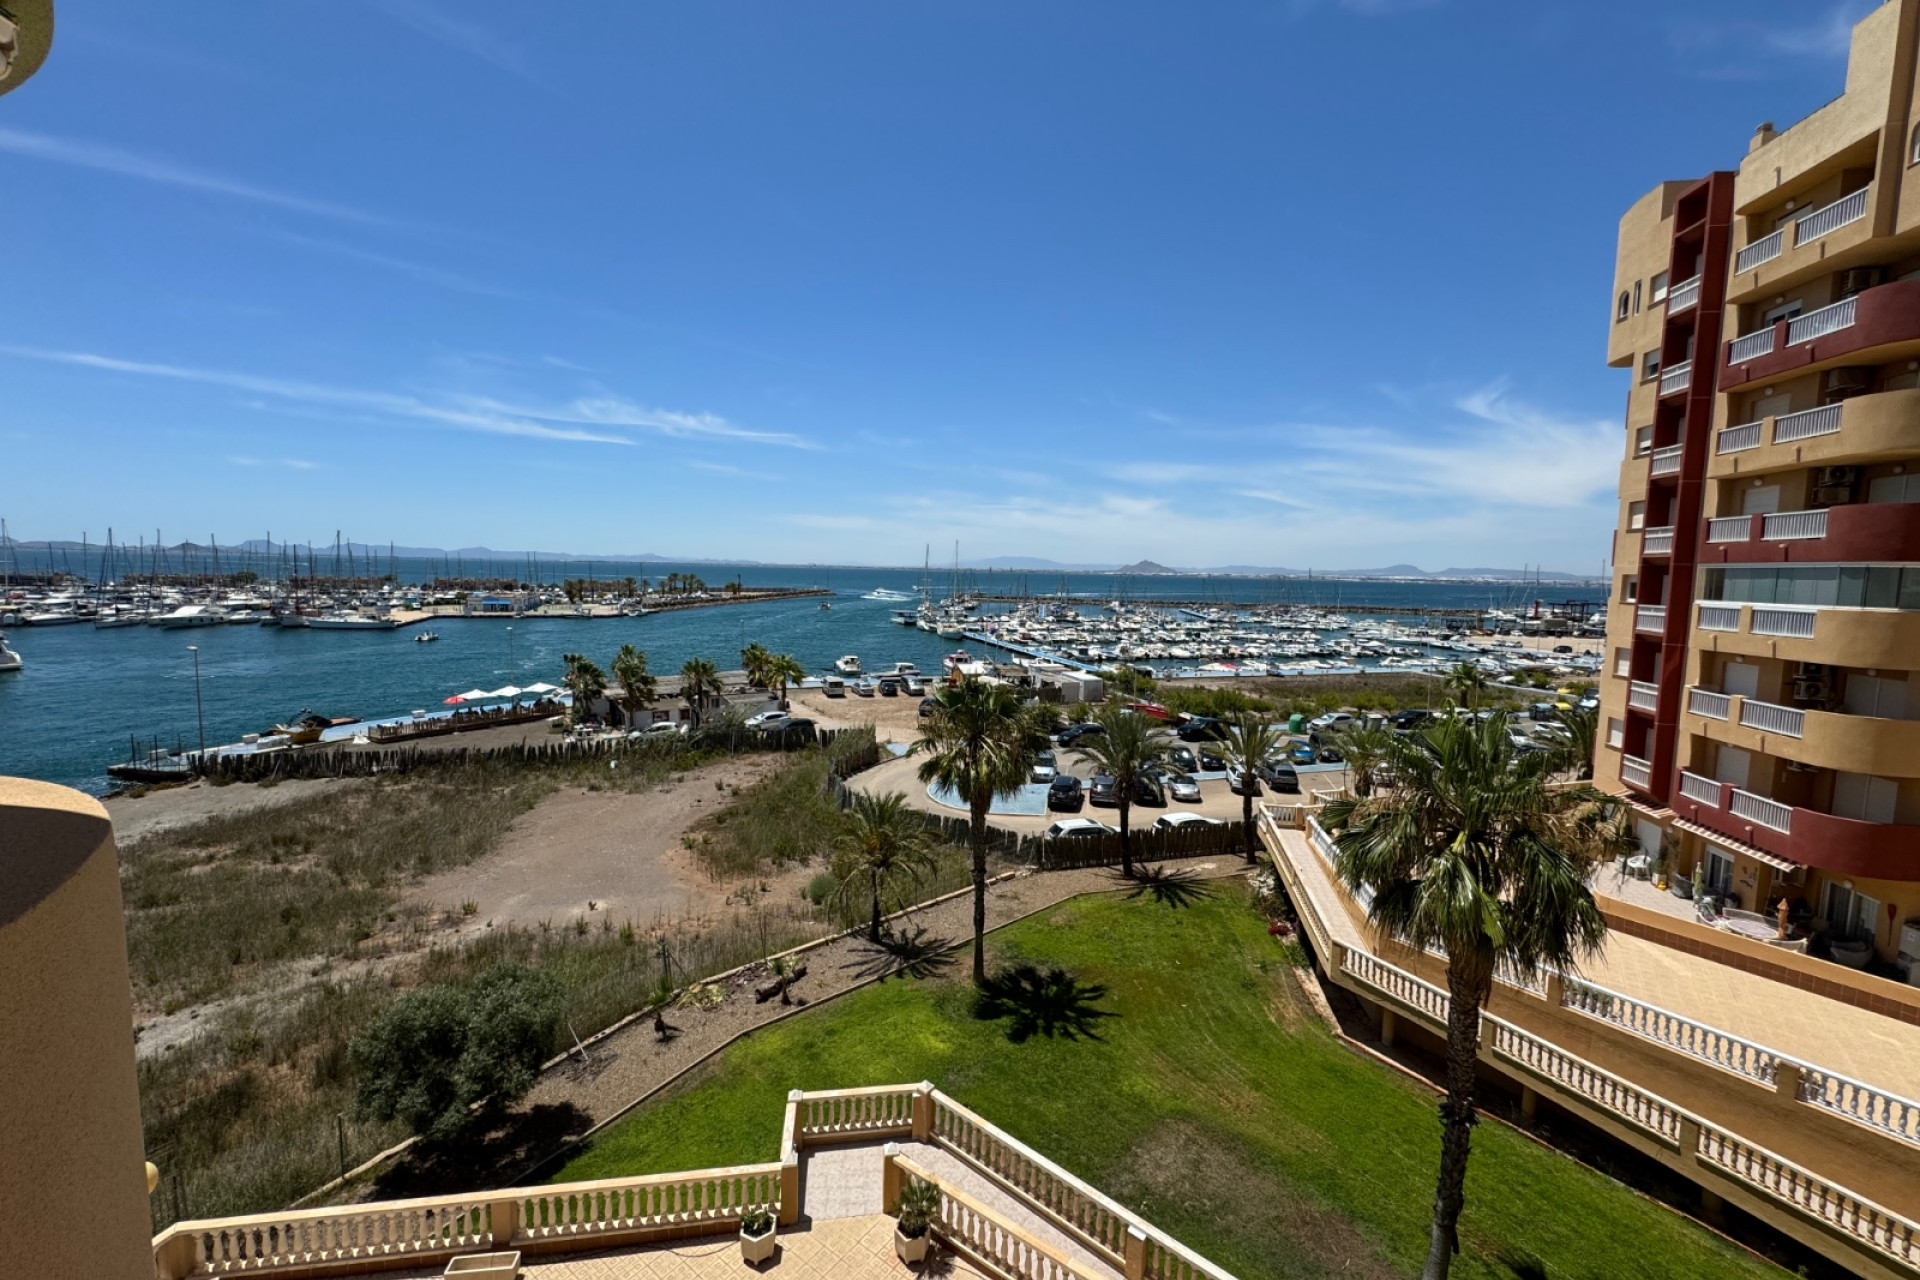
{"points": [[1760, 701]]}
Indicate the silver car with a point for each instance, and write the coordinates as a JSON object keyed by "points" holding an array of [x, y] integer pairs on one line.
{"points": [[1044, 767], [1181, 788]]}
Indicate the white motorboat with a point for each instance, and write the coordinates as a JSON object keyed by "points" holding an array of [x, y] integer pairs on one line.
{"points": [[848, 666], [426, 637], [191, 615], [121, 618], [351, 622], [9, 660], [883, 593]]}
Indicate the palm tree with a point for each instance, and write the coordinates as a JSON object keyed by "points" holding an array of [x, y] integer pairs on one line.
{"points": [[1467, 683], [1249, 742], [753, 661], [783, 670], [638, 688], [1365, 751], [585, 681], [1575, 753], [1471, 852], [699, 682], [882, 843], [1131, 746], [980, 743]]}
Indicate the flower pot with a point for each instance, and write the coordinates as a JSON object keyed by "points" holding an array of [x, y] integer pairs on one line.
{"points": [[912, 1249], [756, 1249], [1852, 952]]}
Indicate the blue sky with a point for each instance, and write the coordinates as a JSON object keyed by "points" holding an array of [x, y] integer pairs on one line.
{"points": [[1306, 283]]}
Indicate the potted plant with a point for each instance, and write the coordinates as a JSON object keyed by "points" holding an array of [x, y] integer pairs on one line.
{"points": [[912, 1233], [756, 1236]]}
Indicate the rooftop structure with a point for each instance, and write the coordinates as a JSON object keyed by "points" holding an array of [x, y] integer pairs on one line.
{"points": [[26, 34]]}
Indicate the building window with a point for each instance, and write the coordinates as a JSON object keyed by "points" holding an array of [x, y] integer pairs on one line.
{"points": [[1636, 297], [1650, 367], [1913, 151], [1616, 732], [1642, 441], [1622, 662], [1626, 301], [1636, 516], [1844, 586], [1658, 287], [1630, 589], [1851, 915]]}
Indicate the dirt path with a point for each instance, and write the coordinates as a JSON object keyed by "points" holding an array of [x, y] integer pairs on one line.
{"points": [[629, 1063], [136, 817], [597, 853]]}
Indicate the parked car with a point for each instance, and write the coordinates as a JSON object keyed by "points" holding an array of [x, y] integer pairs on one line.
{"points": [[1174, 821], [1196, 759], [1148, 791], [1281, 776], [889, 687], [1101, 790], [1241, 783], [1044, 767], [1408, 720], [1331, 755], [928, 706], [1563, 648], [1065, 794], [790, 727], [1202, 729], [1078, 829], [664, 729], [1181, 788], [765, 719], [1331, 720], [1074, 732], [1303, 753]]}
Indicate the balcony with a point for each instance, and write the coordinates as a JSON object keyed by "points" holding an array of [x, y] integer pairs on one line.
{"points": [[1824, 239], [1657, 542], [1842, 846], [1883, 426], [1840, 636], [1765, 249], [1778, 620], [1836, 740], [1854, 533], [1705, 702], [1719, 617], [1848, 208], [1650, 618], [1676, 377], [1642, 696], [1683, 296], [1887, 315], [1665, 461], [1636, 772]]}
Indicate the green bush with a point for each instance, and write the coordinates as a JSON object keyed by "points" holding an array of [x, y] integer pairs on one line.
{"points": [[821, 887], [434, 1053], [1224, 703]]}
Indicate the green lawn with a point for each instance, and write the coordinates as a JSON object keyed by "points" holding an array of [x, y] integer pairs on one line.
{"points": [[1212, 1101]]}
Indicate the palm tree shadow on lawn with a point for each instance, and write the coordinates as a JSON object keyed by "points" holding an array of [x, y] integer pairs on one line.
{"points": [[1051, 1002], [903, 955], [1174, 889]]}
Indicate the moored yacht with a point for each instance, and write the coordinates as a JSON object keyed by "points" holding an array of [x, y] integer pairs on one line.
{"points": [[191, 615], [848, 666], [9, 660]]}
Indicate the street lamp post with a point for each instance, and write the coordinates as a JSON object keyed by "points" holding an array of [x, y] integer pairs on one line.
{"points": [[199, 706], [511, 661]]}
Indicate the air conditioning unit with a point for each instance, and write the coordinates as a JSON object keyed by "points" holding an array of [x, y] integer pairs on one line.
{"points": [[1859, 279], [1817, 690], [1835, 475], [1854, 380]]}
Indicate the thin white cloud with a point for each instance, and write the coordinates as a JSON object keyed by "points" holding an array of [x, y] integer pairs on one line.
{"points": [[417, 270], [470, 38], [295, 464], [728, 469], [126, 164], [384, 402], [611, 411]]}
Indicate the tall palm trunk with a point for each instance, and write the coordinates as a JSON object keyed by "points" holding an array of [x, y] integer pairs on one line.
{"points": [[873, 930], [978, 839], [1246, 820], [1124, 800], [1466, 991]]}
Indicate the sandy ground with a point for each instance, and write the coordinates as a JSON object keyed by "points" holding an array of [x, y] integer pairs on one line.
{"points": [[604, 853], [895, 719], [135, 819]]}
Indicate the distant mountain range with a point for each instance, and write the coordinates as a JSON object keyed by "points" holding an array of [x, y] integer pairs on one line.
{"points": [[65, 554]]}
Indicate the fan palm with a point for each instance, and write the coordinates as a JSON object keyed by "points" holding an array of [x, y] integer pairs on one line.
{"points": [[699, 683], [1365, 751], [1131, 746], [638, 688], [585, 681], [782, 671], [1470, 851], [1467, 683], [980, 742], [1250, 741], [881, 844]]}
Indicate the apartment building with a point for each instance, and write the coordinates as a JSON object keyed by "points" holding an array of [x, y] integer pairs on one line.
{"points": [[1760, 706]]}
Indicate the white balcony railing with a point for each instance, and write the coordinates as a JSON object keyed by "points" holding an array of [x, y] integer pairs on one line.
{"points": [[1823, 421], [1767, 717], [1795, 624], [1735, 439], [1665, 461], [1684, 295], [1793, 526], [1848, 208], [1636, 772], [1768, 813], [1650, 617], [1719, 617], [1678, 377], [1657, 542], [1818, 324], [1705, 702], [1750, 346], [1729, 529], [1643, 696], [1700, 790], [1765, 249]]}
